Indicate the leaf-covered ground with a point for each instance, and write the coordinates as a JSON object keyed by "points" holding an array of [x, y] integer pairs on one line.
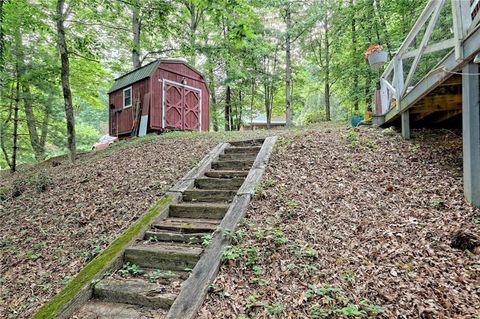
{"points": [[354, 223], [63, 215]]}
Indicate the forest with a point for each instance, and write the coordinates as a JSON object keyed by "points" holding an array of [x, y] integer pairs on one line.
{"points": [[299, 58]]}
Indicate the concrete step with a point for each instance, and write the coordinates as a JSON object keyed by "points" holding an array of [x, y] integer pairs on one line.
{"points": [[243, 149], [219, 183], [225, 174], [232, 165], [187, 225], [208, 195], [135, 292], [100, 309], [198, 210], [255, 142], [166, 256], [165, 235], [237, 156]]}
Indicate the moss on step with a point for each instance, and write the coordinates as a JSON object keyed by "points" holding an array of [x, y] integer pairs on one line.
{"points": [[92, 269]]}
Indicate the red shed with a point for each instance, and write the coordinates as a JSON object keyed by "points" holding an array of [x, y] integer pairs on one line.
{"points": [[166, 94]]}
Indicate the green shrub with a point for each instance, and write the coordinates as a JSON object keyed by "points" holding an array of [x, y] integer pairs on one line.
{"points": [[40, 182]]}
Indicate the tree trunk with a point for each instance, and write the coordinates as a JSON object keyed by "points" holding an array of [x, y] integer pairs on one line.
{"points": [[2, 129], [288, 66], [37, 142], [193, 30], [228, 108], [136, 29], [13, 166], [213, 105], [2, 45], [327, 69], [67, 94], [354, 55], [240, 109], [252, 101]]}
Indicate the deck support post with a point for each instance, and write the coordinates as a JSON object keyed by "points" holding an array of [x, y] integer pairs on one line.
{"points": [[471, 133], [406, 125]]}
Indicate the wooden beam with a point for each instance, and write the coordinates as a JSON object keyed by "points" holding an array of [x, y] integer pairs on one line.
{"points": [[443, 45], [444, 116], [417, 117]]}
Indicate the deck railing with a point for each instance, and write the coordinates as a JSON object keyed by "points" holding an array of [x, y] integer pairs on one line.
{"points": [[393, 83]]}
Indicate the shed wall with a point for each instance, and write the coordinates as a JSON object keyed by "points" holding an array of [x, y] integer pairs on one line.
{"points": [[176, 72], [124, 117]]}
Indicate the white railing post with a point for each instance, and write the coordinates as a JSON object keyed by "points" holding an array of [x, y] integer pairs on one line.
{"points": [[384, 98], [462, 19], [398, 82]]}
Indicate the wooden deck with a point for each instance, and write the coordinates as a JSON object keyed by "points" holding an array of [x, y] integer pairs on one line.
{"points": [[449, 92], [437, 97]]}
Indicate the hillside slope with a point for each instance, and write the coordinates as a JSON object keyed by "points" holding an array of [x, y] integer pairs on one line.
{"points": [[354, 223], [63, 214]]}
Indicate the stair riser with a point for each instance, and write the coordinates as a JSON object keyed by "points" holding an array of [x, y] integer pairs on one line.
{"points": [[144, 298], [176, 237], [187, 229], [247, 143], [237, 157], [226, 174], [243, 150], [234, 166], [227, 184], [165, 261], [194, 196], [197, 212]]}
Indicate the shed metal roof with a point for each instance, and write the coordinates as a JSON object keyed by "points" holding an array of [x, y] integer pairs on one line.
{"points": [[134, 76]]}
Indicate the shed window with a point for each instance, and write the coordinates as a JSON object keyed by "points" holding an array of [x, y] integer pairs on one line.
{"points": [[127, 97]]}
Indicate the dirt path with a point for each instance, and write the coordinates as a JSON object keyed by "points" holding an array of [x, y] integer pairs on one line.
{"points": [[354, 224]]}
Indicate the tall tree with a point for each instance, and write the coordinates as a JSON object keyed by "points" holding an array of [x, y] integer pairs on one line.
{"points": [[288, 64], [65, 77]]}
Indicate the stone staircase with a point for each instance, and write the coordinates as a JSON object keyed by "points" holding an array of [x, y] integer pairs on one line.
{"points": [[156, 266]]}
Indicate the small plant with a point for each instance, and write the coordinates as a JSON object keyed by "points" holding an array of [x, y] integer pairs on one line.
{"points": [[348, 276], [153, 276], [5, 193], [351, 136], [320, 291], [93, 253], [65, 280], [207, 239], [232, 253], [389, 131], [18, 187], [252, 256], [130, 269], [40, 182], [414, 148], [317, 312], [351, 310], [438, 203], [374, 309], [275, 310]]}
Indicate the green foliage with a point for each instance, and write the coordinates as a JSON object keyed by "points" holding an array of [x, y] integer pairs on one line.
{"points": [[40, 182], [130, 269], [153, 276]]}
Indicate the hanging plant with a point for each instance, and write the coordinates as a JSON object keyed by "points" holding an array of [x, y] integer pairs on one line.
{"points": [[376, 55]]}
